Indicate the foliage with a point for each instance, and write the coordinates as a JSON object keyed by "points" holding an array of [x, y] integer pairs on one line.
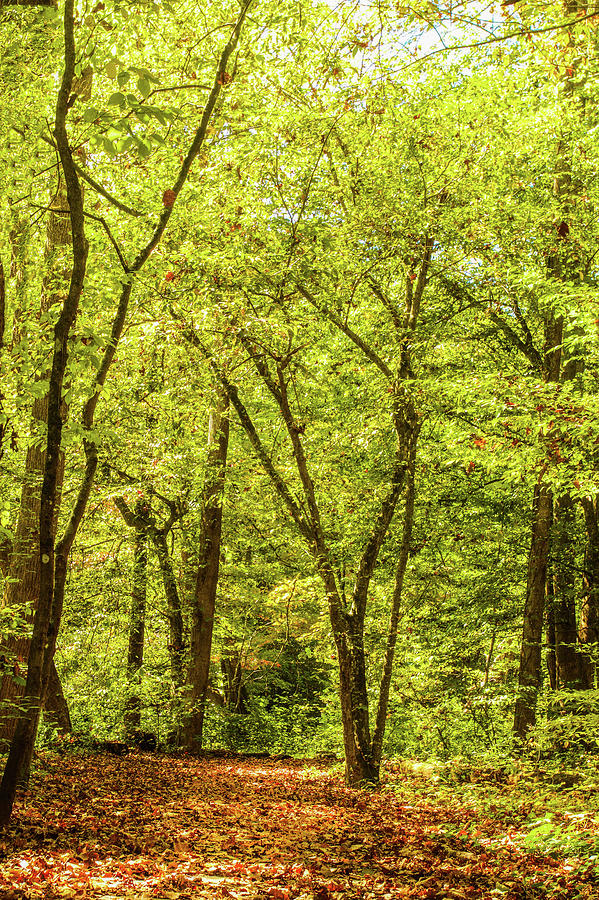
{"points": [[334, 154], [277, 829]]}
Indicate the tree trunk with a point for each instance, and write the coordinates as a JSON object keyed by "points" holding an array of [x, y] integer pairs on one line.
{"points": [[137, 621], [589, 613], [56, 709], [236, 696], [49, 606], [23, 582], [567, 656], [204, 600], [360, 765], [400, 572], [550, 635], [529, 675], [176, 646]]}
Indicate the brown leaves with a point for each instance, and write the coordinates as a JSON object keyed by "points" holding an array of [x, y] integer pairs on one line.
{"points": [[148, 827]]}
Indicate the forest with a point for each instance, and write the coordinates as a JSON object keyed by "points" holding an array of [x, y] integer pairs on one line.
{"points": [[299, 434]]}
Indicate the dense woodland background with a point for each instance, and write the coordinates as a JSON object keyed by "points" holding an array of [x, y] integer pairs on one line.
{"points": [[322, 281]]}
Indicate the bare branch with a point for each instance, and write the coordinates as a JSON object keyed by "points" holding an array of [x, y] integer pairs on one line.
{"points": [[112, 240], [104, 193]]}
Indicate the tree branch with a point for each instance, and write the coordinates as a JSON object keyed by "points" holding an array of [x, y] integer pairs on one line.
{"points": [[381, 712], [376, 539], [112, 240], [277, 480], [387, 303], [86, 177], [220, 79], [127, 514], [525, 347], [104, 193], [371, 354]]}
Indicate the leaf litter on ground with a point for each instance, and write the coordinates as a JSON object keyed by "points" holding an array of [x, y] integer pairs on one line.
{"points": [[173, 828]]}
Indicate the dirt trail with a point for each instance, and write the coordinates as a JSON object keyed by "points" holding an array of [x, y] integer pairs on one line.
{"points": [[157, 827]]}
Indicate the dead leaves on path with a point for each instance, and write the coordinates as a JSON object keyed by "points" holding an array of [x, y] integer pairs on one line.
{"points": [[172, 828]]}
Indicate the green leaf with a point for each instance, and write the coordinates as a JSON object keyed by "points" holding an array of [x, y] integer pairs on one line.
{"points": [[143, 86], [155, 112], [91, 114], [116, 99], [144, 73], [142, 148], [125, 144], [108, 146]]}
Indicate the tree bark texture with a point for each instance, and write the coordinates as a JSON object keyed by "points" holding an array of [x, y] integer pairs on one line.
{"points": [[529, 675], [360, 765], [23, 582], [204, 599], [137, 621], [43, 639], [56, 708], [235, 691], [176, 645], [589, 613], [567, 655]]}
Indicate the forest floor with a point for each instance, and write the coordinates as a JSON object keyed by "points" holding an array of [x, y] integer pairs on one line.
{"points": [[149, 826]]}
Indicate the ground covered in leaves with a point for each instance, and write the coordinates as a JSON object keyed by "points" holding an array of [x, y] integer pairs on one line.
{"points": [[148, 826]]}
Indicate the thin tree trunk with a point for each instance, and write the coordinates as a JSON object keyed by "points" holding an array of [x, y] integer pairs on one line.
{"points": [[176, 645], [23, 582], [550, 636], [589, 613], [137, 621], [402, 563], [204, 600], [529, 675], [568, 659], [44, 635], [56, 709], [236, 696]]}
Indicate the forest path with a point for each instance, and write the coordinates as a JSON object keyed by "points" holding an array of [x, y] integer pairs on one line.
{"points": [[147, 826]]}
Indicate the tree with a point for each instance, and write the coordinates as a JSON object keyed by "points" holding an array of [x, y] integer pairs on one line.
{"points": [[54, 559], [204, 599]]}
